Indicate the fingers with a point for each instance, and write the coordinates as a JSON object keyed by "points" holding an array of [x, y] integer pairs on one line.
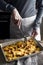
{"points": [[16, 18], [34, 33], [19, 24]]}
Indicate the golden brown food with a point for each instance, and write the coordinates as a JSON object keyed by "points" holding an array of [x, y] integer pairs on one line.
{"points": [[19, 49]]}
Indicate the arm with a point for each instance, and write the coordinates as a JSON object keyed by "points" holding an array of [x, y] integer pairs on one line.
{"points": [[39, 14], [6, 6], [38, 17]]}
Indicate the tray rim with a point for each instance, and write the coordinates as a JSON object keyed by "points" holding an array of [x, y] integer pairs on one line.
{"points": [[16, 40]]}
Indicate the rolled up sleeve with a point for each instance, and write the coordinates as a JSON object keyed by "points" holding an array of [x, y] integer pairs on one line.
{"points": [[39, 15], [6, 6]]}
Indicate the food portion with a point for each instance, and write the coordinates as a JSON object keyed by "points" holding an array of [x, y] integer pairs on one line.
{"points": [[20, 49]]}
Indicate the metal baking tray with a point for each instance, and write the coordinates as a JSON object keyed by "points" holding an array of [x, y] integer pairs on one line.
{"points": [[13, 41]]}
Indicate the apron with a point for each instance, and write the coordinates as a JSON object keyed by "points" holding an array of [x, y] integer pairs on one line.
{"points": [[26, 28]]}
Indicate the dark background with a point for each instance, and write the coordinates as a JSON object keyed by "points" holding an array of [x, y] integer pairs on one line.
{"points": [[4, 25]]}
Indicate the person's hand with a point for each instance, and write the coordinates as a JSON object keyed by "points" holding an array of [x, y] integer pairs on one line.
{"points": [[16, 18], [34, 33]]}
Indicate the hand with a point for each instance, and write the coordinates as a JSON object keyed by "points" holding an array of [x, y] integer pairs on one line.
{"points": [[16, 18], [34, 33]]}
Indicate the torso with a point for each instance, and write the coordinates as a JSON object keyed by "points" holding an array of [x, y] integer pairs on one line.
{"points": [[25, 7]]}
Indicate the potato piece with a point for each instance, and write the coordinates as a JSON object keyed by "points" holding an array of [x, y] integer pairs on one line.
{"points": [[14, 53], [32, 49], [25, 54], [15, 47], [9, 55], [9, 51], [10, 47], [27, 47], [19, 44], [6, 48], [30, 40], [19, 53], [22, 50], [9, 58], [14, 58], [28, 43]]}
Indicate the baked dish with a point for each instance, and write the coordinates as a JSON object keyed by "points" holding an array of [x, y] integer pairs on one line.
{"points": [[20, 49]]}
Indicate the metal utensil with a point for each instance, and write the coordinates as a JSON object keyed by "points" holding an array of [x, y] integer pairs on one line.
{"points": [[25, 39]]}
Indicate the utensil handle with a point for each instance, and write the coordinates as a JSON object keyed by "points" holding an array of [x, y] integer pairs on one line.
{"points": [[0, 45], [25, 39]]}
